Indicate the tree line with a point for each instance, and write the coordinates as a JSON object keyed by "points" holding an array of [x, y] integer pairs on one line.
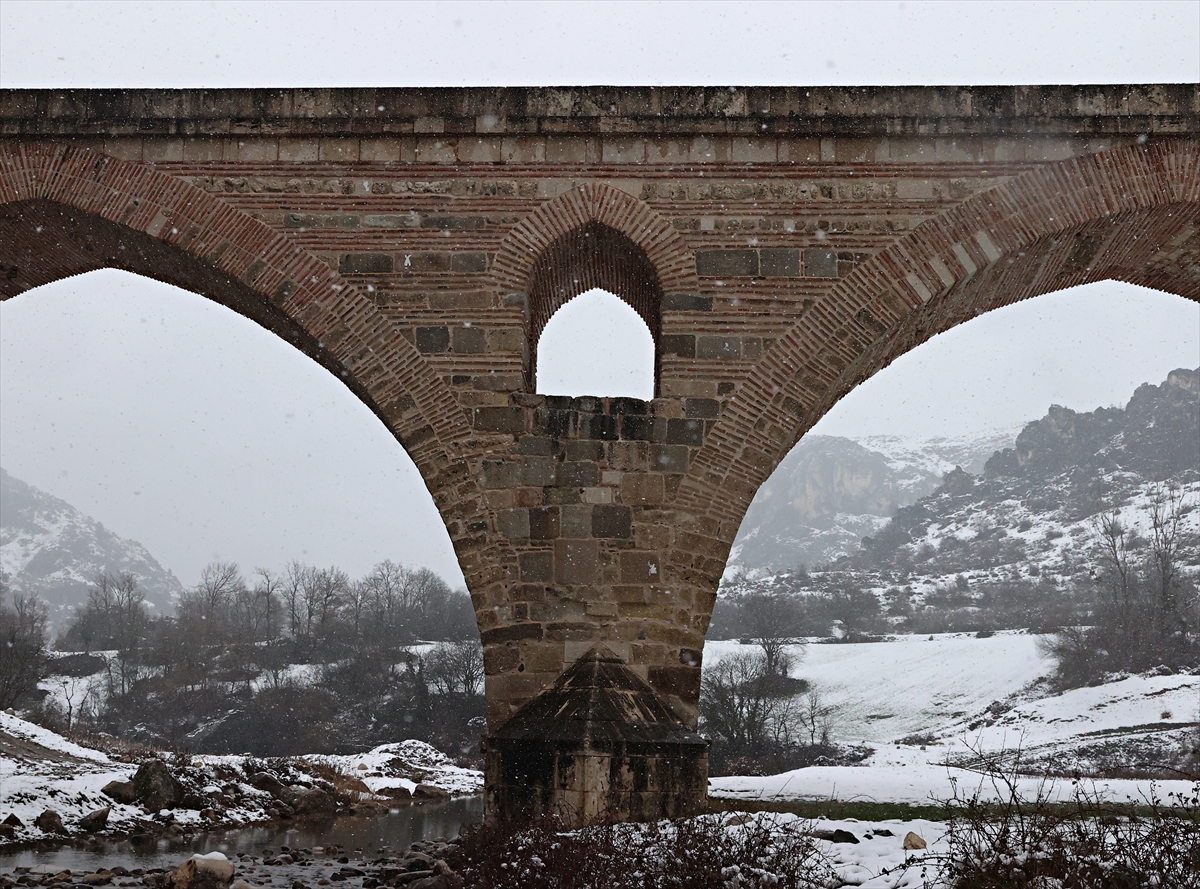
{"points": [[308, 659], [1146, 611]]}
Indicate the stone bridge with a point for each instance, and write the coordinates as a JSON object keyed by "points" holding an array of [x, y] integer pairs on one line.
{"points": [[781, 244]]}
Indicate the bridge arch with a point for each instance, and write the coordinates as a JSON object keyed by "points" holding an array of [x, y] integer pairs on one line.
{"points": [[593, 236], [69, 210], [1132, 215]]}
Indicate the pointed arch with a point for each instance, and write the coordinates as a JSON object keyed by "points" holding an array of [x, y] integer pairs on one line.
{"points": [[1132, 214], [67, 210], [595, 202], [594, 236]]}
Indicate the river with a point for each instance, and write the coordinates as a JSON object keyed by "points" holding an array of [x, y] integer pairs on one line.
{"points": [[365, 837]]}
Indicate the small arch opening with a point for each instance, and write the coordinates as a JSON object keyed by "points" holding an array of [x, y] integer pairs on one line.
{"points": [[596, 345], [595, 258]]}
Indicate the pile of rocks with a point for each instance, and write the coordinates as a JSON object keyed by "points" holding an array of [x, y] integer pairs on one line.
{"points": [[421, 866]]}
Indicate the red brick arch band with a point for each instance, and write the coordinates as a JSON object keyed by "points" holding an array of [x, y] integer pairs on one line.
{"points": [[415, 403], [1131, 214]]}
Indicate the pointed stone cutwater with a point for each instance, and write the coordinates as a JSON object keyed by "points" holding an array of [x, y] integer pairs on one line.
{"points": [[598, 744]]}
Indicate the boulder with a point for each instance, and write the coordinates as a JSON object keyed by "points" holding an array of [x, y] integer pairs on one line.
{"points": [[314, 801], [913, 841], [120, 791], [14, 821], [211, 871], [49, 822], [154, 786], [835, 836], [96, 821], [429, 791], [443, 878], [7, 832], [268, 782]]}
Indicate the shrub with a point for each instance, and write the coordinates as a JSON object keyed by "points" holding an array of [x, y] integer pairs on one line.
{"points": [[738, 852], [1086, 843]]}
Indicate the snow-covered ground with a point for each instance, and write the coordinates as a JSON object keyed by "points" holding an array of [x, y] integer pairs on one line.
{"points": [[884, 691], [970, 697], [405, 765], [41, 770]]}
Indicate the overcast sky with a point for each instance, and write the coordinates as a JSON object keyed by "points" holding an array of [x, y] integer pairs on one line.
{"points": [[182, 425]]}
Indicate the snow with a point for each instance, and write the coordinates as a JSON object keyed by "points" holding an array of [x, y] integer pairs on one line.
{"points": [[405, 765], [69, 782], [28, 731], [971, 697], [940, 454], [61, 775], [911, 684]]}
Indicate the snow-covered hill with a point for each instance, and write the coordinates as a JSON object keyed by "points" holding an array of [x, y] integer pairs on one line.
{"points": [[830, 492], [1007, 541], [51, 549], [931, 707]]}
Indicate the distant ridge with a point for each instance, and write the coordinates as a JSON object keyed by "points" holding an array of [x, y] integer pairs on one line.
{"points": [[831, 492], [51, 549]]}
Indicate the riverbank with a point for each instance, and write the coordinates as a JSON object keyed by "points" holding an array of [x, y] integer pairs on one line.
{"points": [[54, 789]]}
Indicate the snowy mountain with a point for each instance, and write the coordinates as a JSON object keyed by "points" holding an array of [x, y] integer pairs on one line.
{"points": [[51, 549], [1014, 543], [1031, 512], [831, 492]]}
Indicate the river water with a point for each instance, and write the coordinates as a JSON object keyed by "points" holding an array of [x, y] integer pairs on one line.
{"points": [[364, 837]]}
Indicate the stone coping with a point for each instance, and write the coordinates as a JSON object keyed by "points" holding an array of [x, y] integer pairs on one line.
{"points": [[849, 111]]}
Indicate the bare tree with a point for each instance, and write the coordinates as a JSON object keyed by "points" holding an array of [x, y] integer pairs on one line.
{"points": [[293, 584], [1166, 517], [220, 585], [22, 648], [455, 668], [774, 622], [817, 717], [266, 602], [737, 706]]}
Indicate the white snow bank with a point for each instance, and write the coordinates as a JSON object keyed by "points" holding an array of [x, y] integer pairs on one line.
{"points": [[917, 777], [406, 765]]}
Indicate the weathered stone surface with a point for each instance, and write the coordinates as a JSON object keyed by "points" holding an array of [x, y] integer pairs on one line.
{"points": [[95, 821], [120, 791], [211, 871], [49, 822], [598, 743], [154, 787]]}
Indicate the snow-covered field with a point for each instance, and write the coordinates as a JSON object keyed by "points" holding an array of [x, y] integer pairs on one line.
{"points": [[912, 684], [964, 696], [970, 697]]}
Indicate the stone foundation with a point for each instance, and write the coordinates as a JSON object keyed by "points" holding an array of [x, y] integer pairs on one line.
{"points": [[597, 745]]}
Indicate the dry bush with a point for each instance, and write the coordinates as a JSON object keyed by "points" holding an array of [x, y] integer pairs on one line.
{"points": [[1087, 843], [695, 853]]}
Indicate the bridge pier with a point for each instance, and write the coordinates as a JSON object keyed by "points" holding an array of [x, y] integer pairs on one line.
{"points": [[598, 744], [587, 533]]}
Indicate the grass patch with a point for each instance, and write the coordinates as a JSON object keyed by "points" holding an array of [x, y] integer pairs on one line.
{"points": [[834, 809]]}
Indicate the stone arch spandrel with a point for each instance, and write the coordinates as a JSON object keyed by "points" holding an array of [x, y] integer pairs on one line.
{"points": [[179, 234], [595, 202], [1131, 214], [632, 245]]}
